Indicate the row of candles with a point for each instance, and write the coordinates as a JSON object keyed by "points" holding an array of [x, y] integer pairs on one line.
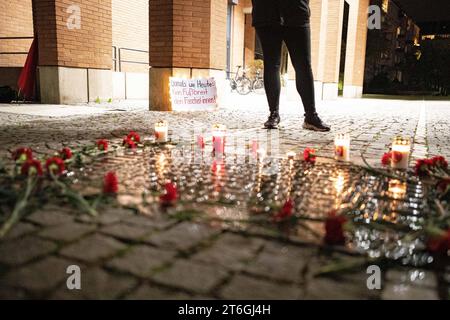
{"points": [[401, 147]]}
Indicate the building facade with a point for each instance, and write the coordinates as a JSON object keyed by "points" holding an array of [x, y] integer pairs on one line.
{"points": [[109, 55]]}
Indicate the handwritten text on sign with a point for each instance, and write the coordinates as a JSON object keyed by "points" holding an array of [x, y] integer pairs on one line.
{"points": [[189, 94]]}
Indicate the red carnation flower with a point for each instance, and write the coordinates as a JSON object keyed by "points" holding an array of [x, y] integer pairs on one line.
{"points": [[423, 166], [170, 195], [66, 154], [55, 166], [134, 137], [309, 155], [110, 183], [334, 229], [102, 145], [22, 154], [439, 162], [439, 244], [386, 159], [397, 156], [32, 167], [285, 212], [128, 143]]}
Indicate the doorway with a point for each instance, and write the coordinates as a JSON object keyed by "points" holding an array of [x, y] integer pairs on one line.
{"points": [[343, 49]]}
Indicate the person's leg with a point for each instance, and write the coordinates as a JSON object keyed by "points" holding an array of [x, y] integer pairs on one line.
{"points": [[271, 42], [298, 42]]}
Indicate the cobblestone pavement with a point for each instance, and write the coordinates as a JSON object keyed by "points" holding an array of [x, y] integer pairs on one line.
{"points": [[124, 255]]}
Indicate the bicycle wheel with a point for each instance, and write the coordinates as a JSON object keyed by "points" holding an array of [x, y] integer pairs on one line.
{"points": [[244, 86], [258, 86]]}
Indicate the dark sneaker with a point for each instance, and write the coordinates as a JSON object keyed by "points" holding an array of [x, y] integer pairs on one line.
{"points": [[273, 121], [314, 123]]}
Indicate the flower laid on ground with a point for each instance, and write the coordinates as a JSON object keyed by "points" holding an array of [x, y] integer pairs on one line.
{"points": [[55, 166], [434, 166], [129, 143], [65, 154], [309, 155], [102, 145], [22, 154], [439, 244], [31, 167], [439, 162], [134, 137], [334, 229], [170, 196], [285, 212], [386, 159], [110, 183]]}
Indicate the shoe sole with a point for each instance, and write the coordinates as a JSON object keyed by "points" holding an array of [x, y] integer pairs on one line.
{"points": [[311, 127], [276, 127]]}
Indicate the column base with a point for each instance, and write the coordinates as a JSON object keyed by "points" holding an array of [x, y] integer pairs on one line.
{"points": [[63, 85], [330, 91], [352, 91], [318, 90]]}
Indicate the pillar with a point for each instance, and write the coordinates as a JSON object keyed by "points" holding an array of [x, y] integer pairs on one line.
{"points": [[187, 39], [356, 48], [332, 55], [75, 50]]}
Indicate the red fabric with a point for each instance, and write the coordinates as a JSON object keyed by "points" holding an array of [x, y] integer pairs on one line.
{"points": [[27, 78]]}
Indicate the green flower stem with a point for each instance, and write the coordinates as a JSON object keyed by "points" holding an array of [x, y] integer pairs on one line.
{"points": [[346, 266], [19, 207], [81, 201]]}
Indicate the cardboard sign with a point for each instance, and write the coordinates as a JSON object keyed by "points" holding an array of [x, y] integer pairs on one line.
{"points": [[193, 94]]}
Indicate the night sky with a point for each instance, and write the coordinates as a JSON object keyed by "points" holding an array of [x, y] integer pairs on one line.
{"points": [[426, 10]]}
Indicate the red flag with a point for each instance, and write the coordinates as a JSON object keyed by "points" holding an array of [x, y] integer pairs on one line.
{"points": [[27, 78]]}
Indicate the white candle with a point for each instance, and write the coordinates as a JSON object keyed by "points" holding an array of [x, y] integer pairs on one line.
{"points": [[291, 155], [401, 151], [342, 147], [219, 138], [161, 131]]}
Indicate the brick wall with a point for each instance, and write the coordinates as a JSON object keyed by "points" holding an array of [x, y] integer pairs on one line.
{"points": [[188, 34], [334, 40], [16, 20], [87, 47], [130, 30]]}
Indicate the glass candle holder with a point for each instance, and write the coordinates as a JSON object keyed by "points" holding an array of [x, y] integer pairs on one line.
{"points": [[342, 147], [401, 151], [219, 138], [161, 131]]}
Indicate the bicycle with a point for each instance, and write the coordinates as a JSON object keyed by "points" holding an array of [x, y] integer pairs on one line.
{"points": [[241, 83], [258, 83]]}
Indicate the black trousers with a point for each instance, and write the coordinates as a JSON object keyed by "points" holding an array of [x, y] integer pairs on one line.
{"points": [[298, 42]]}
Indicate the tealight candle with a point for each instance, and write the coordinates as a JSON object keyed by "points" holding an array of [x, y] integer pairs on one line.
{"points": [[291, 155], [342, 147], [219, 138], [161, 131], [401, 151]]}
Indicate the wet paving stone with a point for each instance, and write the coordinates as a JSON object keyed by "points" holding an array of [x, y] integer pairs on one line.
{"points": [[150, 292], [66, 232], [126, 232], [280, 262], [19, 251], [230, 251], [20, 230], [202, 278], [93, 248], [182, 237], [97, 284], [50, 216], [413, 284], [141, 261], [247, 288], [39, 276]]}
